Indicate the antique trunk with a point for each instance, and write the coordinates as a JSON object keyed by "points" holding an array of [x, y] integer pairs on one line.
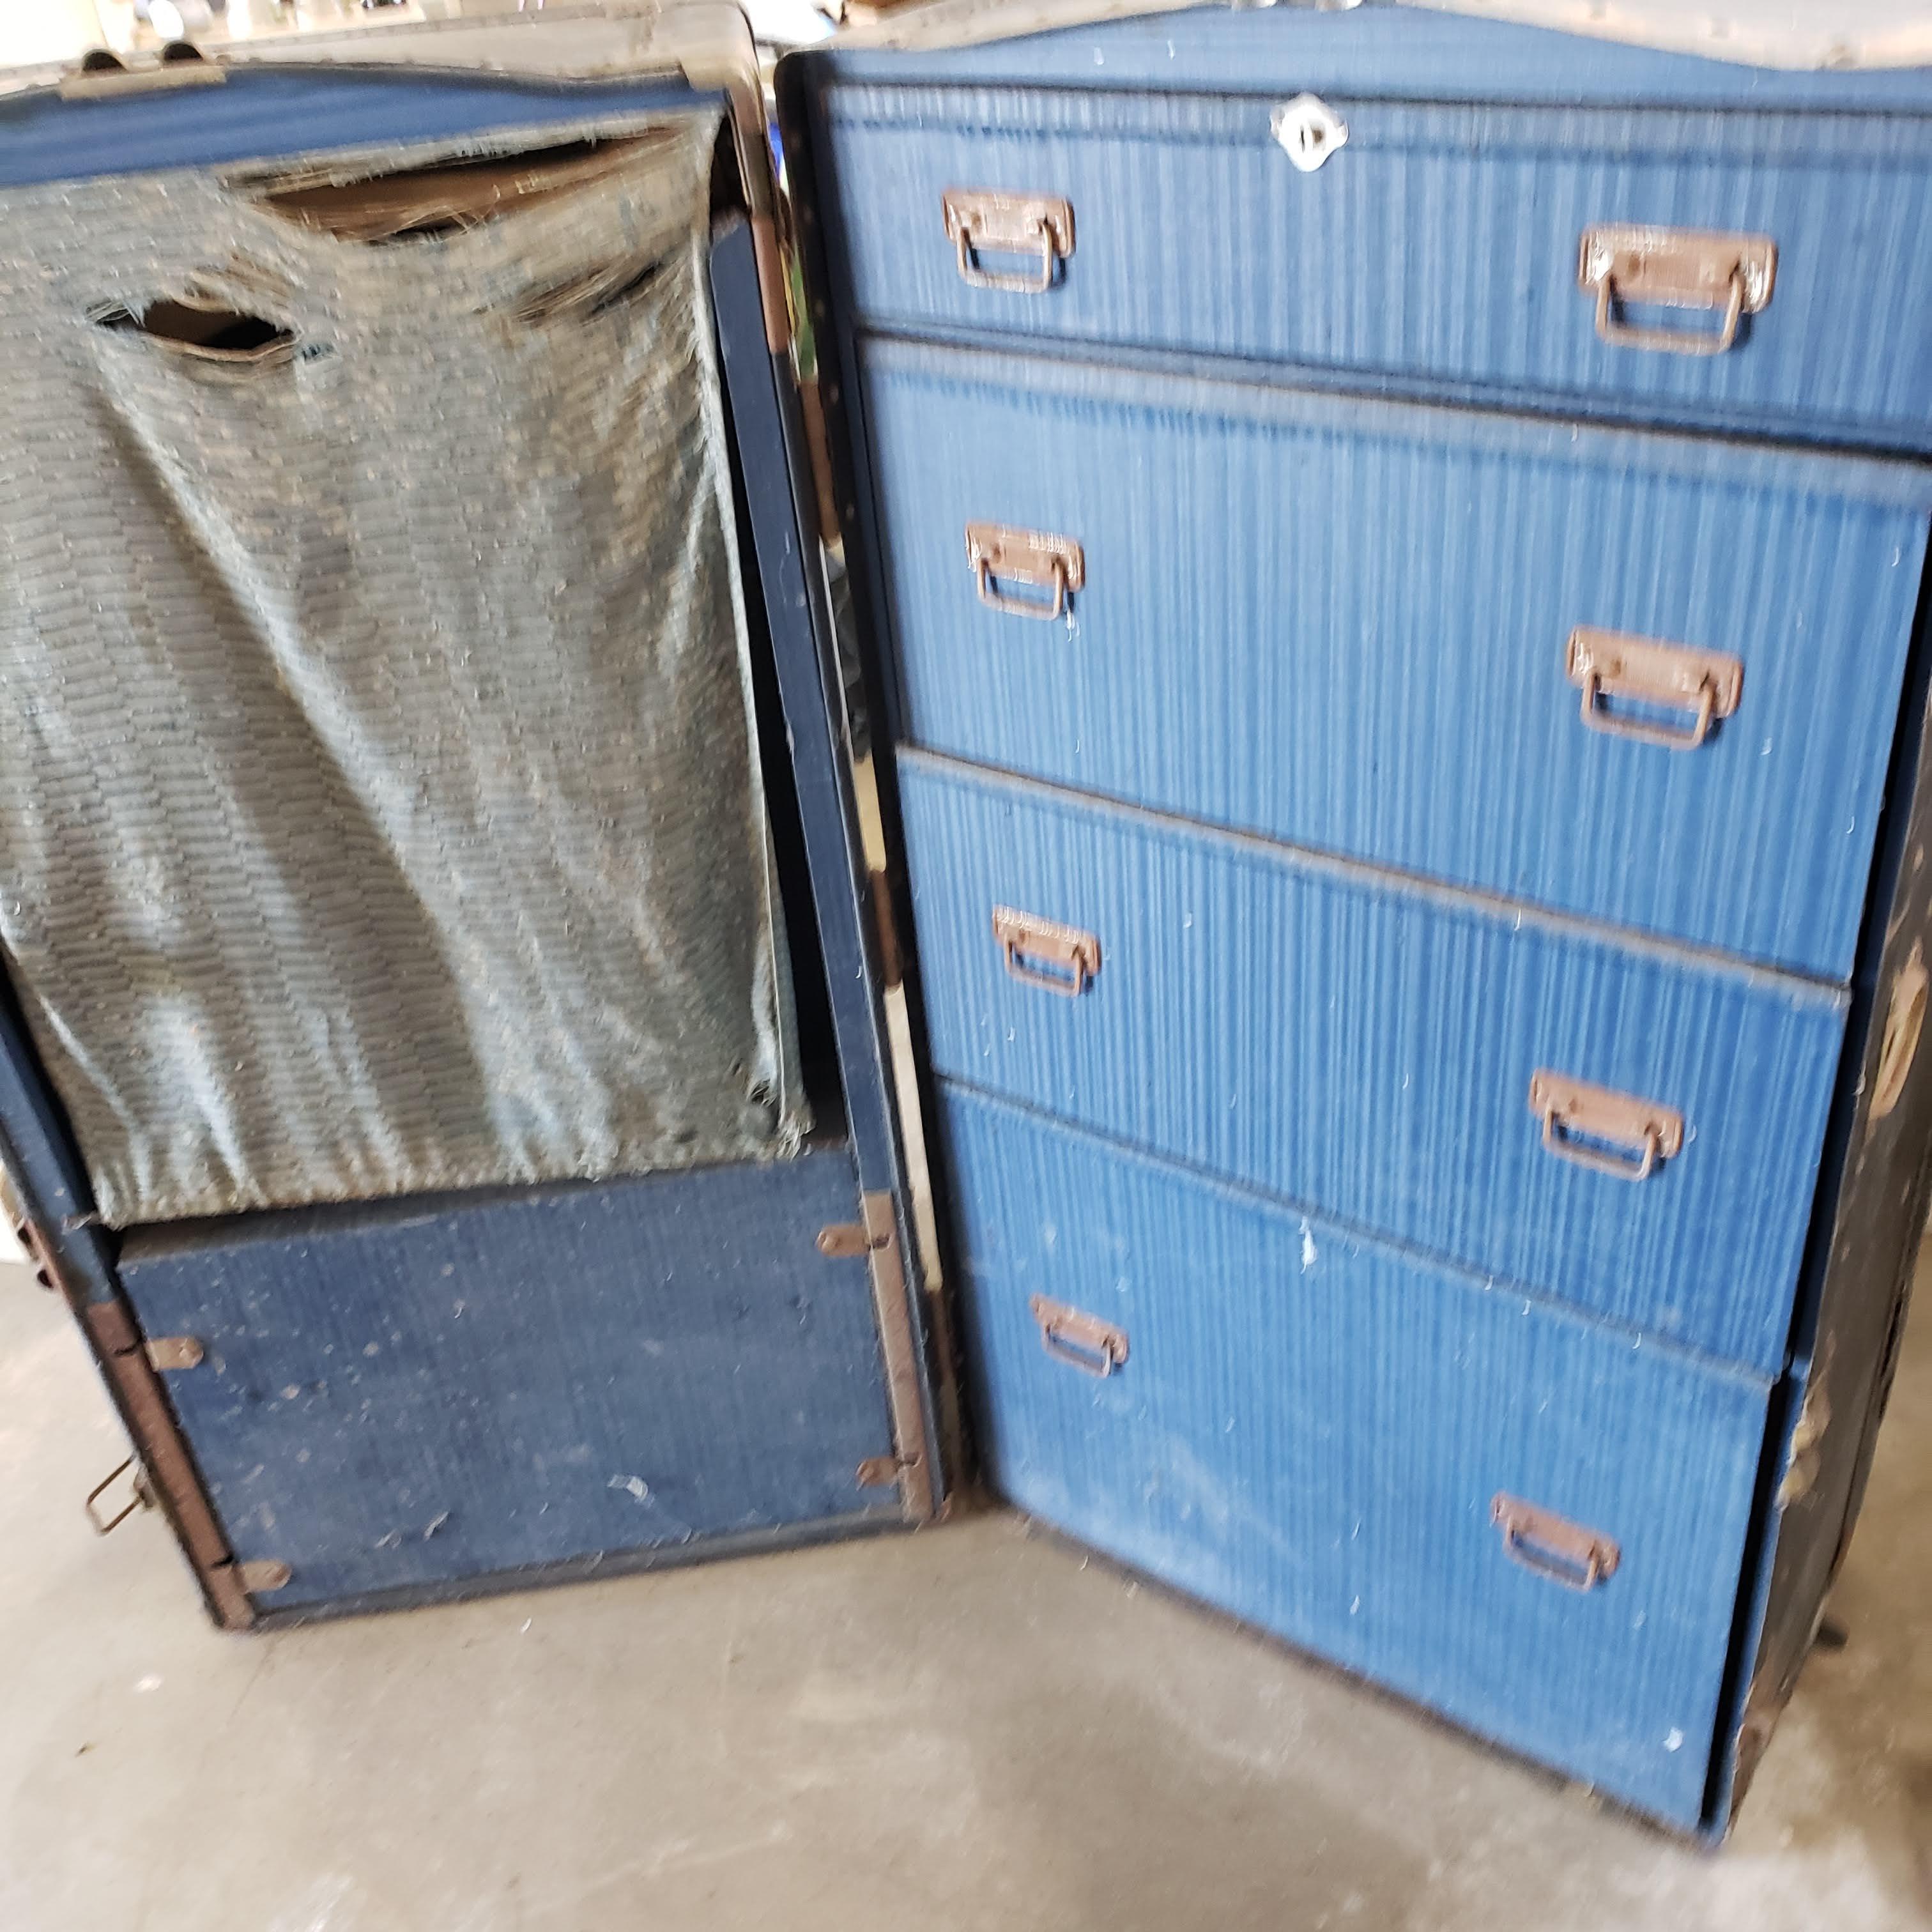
{"points": [[1394, 563], [445, 1067], [1385, 700]]}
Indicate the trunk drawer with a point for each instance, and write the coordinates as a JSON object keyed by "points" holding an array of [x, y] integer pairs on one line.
{"points": [[1313, 1432], [1368, 1048], [1348, 626], [1440, 244]]}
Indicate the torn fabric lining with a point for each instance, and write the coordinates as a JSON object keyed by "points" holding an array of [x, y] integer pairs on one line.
{"points": [[381, 812]]}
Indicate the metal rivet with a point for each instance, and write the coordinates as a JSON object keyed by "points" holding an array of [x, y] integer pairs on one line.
{"points": [[174, 1351], [842, 1239]]}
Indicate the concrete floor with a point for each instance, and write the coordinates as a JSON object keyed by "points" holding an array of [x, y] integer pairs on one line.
{"points": [[967, 1728]]}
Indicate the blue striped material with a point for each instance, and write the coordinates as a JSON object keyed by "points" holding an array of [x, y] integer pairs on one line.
{"points": [[1367, 1049], [1389, 49], [1306, 762], [1309, 1431], [1441, 242], [400, 1395], [1355, 640], [260, 114]]}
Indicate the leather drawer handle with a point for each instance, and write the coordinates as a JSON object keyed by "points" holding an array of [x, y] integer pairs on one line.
{"points": [[1675, 268], [1605, 664], [1631, 1134], [1043, 953], [1000, 554], [1552, 1545], [1083, 1341], [992, 221]]}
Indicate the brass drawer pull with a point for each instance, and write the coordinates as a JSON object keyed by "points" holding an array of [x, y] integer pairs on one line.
{"points": [[1554, 1547], [1575, 1114], [1673, 677], [991, 221], [1095, 1347], [1675, 268], [1043, 953], [1000, 554]]}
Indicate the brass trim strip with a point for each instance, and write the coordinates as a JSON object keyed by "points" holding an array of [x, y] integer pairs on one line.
{"points": [[903, 1390], [109, 78], [1904, 1021], [734, 68], [163, 1454], [891, 969]]}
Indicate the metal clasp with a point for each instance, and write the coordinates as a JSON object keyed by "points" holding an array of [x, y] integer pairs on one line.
{"points": [[1043, 953], [1607, 664], [991, 221], [1552, 1545], [1676, 268], [998, 551], [1083, 1341], [1575, 1114]]}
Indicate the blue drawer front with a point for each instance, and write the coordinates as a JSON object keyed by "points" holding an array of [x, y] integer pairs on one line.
{"points": [[396, 1397], [1441, 243], [1368, 1049], [1310, 1431], [1345, 625]]}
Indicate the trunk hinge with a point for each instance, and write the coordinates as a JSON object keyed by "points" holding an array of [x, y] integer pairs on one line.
{"points": [[103, 75], [162, 1452], [892, 971], [877, 1237]]}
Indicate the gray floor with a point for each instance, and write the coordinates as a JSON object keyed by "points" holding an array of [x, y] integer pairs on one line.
{"points": [[966, 1728]]}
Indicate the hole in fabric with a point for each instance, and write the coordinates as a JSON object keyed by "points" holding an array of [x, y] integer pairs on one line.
{"points": [[582, 297], [175, 52], [212, 332], [451, 198], [98, 60]]}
